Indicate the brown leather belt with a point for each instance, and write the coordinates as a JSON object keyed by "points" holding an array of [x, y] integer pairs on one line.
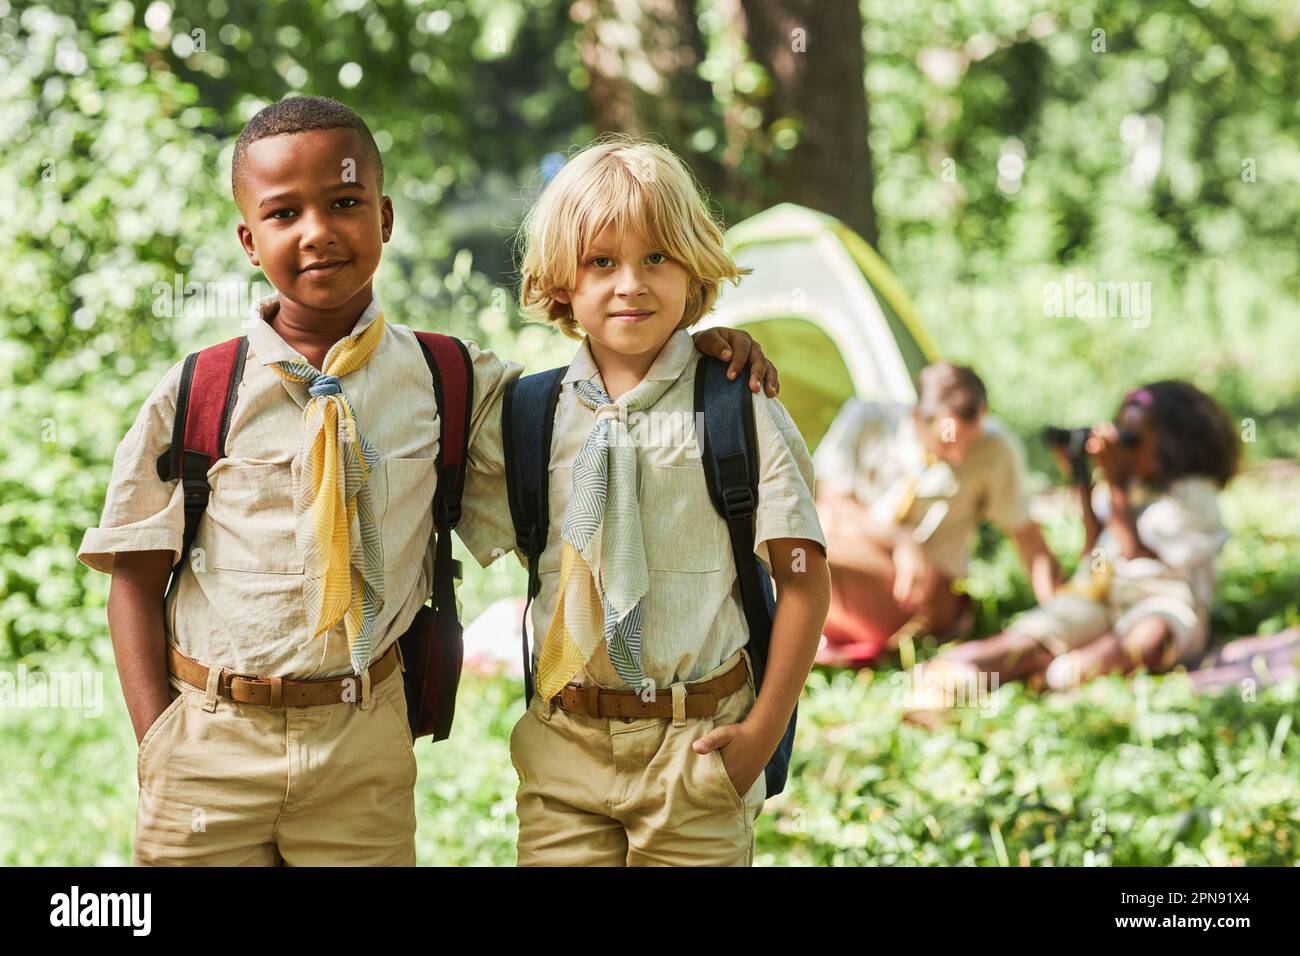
{"points": [[275, 691], [702, 698]]}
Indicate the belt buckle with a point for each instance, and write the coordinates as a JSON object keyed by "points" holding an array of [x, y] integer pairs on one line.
{"points": [[559, 698], [223, 688], [587, 698]]}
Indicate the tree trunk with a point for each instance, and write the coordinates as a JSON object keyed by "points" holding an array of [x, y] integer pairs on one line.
{"points": [[643, 62], [812, 50]]}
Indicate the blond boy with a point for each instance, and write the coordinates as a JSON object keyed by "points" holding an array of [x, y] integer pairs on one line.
{"points": [[621, 253]]}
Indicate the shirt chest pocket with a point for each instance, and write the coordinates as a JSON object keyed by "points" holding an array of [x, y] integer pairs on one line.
{"points": [[679, 527], [250, 523], [406, 504]]}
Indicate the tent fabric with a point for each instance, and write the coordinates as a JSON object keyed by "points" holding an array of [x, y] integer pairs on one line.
{"points": [[828, 309]]}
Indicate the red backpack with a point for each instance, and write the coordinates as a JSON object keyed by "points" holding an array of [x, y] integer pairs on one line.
{"points": [[433, 647]]}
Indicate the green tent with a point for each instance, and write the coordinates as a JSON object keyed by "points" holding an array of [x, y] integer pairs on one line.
{"points": [[829, 312]]}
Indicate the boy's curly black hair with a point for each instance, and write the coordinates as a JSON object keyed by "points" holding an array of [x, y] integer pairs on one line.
{"points": [[297, 114], [1194, 436]]}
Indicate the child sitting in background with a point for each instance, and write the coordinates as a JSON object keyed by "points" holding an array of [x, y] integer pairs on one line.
{"points": [[1142, 593]]}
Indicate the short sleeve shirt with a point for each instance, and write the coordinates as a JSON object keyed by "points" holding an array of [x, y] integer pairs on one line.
{"points": [[872, 452], [692, 617], [241, 603]]}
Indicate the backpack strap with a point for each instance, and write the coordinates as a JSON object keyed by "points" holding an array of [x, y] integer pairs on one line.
{"points": [[452, 371], [730, 455], [729, 450], [205, 401], [527, 423], [453, 389]]}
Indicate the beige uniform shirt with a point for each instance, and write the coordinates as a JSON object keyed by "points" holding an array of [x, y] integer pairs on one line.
{"points": [[241, 602], [873, 453], [692, 619]]}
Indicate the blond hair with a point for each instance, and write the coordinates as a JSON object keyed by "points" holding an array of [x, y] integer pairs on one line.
{"points": [[623, 183]]}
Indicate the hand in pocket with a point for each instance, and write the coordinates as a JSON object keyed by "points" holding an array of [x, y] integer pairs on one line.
{"points": [[743, 755], [156, 711]]}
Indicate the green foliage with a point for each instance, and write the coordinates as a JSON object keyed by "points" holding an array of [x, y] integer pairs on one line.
{"points": [[962, 93], [1136, 773]]}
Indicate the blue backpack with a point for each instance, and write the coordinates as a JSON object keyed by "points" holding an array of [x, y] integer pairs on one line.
{"points": [[730, 460]]}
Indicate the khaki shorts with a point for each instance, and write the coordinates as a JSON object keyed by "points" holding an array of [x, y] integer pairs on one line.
{"points": [[1069, 621], [613, 791], [243, 785]]}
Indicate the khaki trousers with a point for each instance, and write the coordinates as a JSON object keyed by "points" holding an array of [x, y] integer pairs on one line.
{"points": [[630, 791], [228, 784]]}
